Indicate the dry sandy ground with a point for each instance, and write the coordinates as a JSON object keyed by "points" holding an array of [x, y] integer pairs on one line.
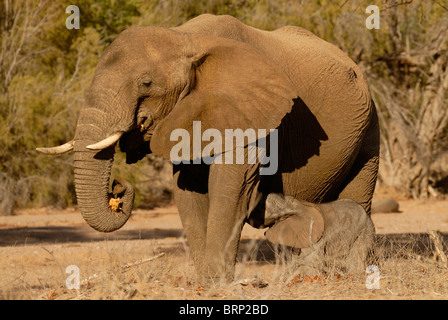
{"points": [[38, 246]]}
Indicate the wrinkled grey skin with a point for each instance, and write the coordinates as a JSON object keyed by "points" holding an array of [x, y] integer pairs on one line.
{"points": [[216, 70]]}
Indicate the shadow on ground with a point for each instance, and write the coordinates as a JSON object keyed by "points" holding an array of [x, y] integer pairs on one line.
{"points": [[391, 245], [65, 234]]}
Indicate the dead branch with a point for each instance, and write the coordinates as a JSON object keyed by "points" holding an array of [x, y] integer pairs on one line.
{"points": [[142, 261], [123, 267]]}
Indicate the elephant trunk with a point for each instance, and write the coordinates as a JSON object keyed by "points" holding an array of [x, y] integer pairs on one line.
{"points": [[103, 210]]}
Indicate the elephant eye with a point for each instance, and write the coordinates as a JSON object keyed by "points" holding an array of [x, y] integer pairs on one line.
{"points": [[146, 83]]}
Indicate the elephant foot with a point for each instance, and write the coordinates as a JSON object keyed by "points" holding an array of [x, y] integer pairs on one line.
{"points": [[215, 275]]}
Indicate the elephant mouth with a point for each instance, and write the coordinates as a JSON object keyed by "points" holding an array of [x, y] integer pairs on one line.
{"points": [[136, 144]]}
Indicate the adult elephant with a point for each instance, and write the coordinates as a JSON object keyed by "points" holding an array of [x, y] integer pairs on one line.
{"points": [[228, 75]]}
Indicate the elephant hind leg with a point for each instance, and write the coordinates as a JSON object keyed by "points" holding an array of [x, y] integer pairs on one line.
{"points": [[363, 174], [348, 241]]}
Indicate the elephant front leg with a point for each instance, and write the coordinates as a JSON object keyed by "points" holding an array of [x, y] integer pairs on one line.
{"points": [[232, 190], [191, 197], [223, 236]]}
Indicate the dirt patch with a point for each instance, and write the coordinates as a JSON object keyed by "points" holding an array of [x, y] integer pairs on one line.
{"points": [[37, 247]]}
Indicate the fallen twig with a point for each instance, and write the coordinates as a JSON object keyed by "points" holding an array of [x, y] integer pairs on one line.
{"points": [[123, 267], [142, 261]]}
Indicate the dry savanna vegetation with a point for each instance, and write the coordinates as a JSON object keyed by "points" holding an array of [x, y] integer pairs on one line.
{"points": [[45, 69], [149, 259]]}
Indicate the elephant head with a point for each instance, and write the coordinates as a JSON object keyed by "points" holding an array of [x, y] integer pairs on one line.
{"points": [[153, 80]]}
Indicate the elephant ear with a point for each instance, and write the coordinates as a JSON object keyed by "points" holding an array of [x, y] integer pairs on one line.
{"points": [[233, 86]]}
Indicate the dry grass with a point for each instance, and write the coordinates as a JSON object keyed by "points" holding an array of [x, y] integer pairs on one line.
{"points": [[406, 263]]}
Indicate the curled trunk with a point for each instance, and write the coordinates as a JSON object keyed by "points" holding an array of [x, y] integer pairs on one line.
{"points": [[103, 210]]}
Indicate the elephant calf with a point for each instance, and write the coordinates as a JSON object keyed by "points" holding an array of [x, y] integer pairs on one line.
{"points": [[333, 237]]}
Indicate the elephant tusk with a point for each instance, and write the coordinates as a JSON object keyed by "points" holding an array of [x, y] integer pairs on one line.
{"points": [[59, 149], [109, 141]]}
